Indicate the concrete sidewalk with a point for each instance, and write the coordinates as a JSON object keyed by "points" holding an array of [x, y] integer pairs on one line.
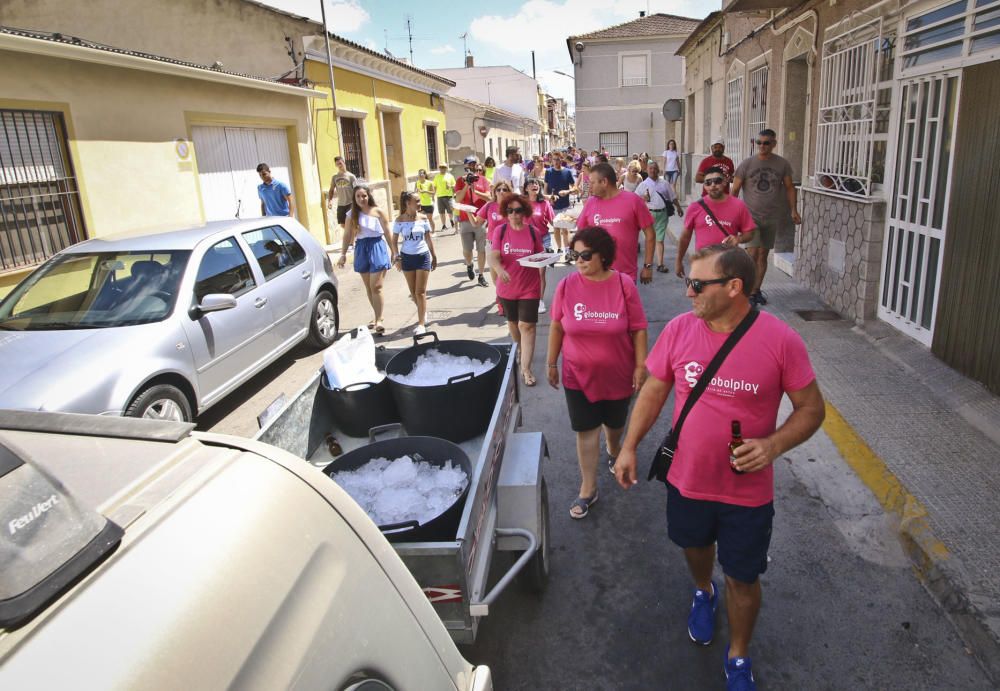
{"points": [[926, 441]]}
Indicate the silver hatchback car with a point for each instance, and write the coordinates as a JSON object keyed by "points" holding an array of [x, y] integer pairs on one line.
{"points": [[163, 325]]}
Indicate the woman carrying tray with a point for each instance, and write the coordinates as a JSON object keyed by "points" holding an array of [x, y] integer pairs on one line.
{"points": [[599, 327], [519, 288], [416, 258], [490, 215]]}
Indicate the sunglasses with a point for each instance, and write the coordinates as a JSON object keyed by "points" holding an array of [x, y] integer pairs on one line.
{"points": [[516, 210], [698, 285], [715, 181], [585, 255], [765, 142]]}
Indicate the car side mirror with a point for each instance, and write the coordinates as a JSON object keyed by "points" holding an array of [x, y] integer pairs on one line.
{"points": [[213, 302]]}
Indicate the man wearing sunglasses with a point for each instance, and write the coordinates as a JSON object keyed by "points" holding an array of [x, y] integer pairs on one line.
{"points": [[766, 183], [720, 209], [709, 506]]}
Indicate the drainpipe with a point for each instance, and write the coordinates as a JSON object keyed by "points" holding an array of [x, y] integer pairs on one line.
{"points": [[333, 103]]}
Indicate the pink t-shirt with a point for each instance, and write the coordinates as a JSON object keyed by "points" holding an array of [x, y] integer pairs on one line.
{"points": [[525, 282], [768, 361], [732, 213], [491, 212], [541, 216], [597, 317], [623, 216]]}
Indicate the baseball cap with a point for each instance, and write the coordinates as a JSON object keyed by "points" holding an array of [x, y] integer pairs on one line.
{"points": [[443, 165], [718, 140], [470, 159]]}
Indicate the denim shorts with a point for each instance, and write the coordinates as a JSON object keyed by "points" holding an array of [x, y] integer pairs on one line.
{"points": [[742, 533], [415, 262], [371, 255]]}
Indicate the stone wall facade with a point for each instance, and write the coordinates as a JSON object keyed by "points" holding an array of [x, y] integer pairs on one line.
{"points": [[839, 251]]}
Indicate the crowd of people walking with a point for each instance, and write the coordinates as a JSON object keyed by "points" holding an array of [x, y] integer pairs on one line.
{"points": [[727, 363]]}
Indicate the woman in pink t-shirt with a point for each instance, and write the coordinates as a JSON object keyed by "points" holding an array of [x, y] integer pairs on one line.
{"points": [[599, 326], [542, 216], [490, 215], [519, 288]]}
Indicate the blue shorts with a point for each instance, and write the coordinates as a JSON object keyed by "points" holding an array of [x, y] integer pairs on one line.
{"points": [[672, 175], [416, 262], [742, 533], [547, 242], [371, 255]]}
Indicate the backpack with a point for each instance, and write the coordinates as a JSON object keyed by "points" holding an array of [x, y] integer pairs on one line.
{"points": [[531, 229]]}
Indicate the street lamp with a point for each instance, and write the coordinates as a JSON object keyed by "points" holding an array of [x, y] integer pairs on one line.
{"points": [[564, 74]]}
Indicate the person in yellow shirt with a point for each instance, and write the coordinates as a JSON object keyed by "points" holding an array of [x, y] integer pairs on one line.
{"points": [[425, 186], [489, 165], [444, 189]]}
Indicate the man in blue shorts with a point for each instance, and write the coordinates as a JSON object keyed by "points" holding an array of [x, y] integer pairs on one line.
{"points": [[720, 497]]}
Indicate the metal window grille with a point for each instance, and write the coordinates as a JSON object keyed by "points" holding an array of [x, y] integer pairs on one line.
{"points": [[734, 115], [354, 158], [616, 143], [851, 134], [757, 102], [432, 147], [39, 200]]}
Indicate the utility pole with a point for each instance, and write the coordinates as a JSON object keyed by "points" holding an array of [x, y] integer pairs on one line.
{"points": [[409, 33], [533, 75]]}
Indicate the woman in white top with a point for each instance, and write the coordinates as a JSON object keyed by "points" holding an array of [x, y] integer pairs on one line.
{"points": [[416, 258], [368, 227], [671, 162]]}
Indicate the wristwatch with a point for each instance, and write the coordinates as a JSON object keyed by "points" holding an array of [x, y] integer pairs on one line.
{"points": [[647, 266]]}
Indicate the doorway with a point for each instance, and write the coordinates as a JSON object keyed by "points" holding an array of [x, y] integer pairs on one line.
{"points": [[392, 139]]}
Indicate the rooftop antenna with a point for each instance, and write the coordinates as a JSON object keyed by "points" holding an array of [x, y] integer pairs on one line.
{"points": [[465, 45], [409, 33]]}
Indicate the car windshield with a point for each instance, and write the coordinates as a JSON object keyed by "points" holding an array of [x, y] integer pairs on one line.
{"points": [[93, 291]]}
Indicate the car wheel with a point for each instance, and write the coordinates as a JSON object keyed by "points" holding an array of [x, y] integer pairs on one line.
{"points": [[161, 402], [325, 322]]}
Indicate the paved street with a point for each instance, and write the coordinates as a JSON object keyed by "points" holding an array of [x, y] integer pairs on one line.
{"points": [[843, 607]]}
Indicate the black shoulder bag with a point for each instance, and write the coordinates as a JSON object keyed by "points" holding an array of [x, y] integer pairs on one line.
{"points": [[721, 227], [664, 455]]}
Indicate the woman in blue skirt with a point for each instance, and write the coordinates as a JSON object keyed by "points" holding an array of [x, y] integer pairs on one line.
{"points": [[368, 227]]}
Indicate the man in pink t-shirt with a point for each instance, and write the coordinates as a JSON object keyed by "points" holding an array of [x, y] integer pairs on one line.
{"points": [[624, 215], [730, 212], [712, 499]]}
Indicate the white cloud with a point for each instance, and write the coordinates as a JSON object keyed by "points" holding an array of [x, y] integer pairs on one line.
{"points": [[544, 25], [342, 16], [371, 45], [442, 50]]}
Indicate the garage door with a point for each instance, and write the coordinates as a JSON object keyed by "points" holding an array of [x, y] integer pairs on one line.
{"points": [[227, 167]]}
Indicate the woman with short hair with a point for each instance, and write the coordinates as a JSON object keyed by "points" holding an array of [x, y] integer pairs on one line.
{"points": [[599, 327]]}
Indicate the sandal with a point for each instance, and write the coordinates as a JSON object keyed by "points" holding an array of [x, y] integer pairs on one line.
{"points": [[581, 506], [662, 269], [379, 330], [528, 377]]}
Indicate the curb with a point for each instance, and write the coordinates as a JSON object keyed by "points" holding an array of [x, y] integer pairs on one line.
{"points": [[931, 559]]}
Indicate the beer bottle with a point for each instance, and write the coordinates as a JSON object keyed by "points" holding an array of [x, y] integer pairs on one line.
{"points": [[734, 443]]}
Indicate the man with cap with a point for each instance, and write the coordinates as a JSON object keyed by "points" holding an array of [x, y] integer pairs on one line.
{"points": [[444, 190], [472, 189], [718, 159]]}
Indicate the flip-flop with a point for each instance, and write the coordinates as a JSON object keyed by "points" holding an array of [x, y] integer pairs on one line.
{"points": [[528, 377], [583, 504]]}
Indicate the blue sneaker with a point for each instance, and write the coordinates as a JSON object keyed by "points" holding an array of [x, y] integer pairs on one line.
{"points": [[701, 620], [739, 675]]}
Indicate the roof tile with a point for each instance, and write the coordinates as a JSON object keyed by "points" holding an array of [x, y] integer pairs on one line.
{"points": [[657, 24]]}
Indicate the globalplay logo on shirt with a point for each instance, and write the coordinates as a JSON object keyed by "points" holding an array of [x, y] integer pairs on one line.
{"points": [[580, 313], [723, 387], [507, 249], [600, 220]]}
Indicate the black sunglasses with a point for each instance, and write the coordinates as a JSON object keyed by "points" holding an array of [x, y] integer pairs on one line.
{"points": [[698, 285], [516, 210], [765, 142], [585, 255], [715, 181]]}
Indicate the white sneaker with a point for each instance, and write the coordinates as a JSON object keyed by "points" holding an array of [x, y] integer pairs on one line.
{"points": [[541, 306], [419, 329]]}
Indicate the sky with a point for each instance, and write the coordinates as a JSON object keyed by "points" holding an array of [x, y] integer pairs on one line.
{"points": [[505, 34]]}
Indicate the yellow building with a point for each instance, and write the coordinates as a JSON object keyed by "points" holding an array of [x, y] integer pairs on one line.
{"points": [[389, 121]]}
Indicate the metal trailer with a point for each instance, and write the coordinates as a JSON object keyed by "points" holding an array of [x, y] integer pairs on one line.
{"points": [[506, 509]]}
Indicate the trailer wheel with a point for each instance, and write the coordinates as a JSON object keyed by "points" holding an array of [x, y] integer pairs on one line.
{"points": [[535, 575]]}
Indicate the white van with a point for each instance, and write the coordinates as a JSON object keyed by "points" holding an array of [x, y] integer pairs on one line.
{"points": [[138, 554]]}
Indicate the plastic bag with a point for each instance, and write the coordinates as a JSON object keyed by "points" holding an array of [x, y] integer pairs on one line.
{"points": [[351, 360]]}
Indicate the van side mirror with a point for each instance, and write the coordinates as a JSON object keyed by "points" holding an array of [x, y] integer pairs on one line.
{"points": [[213, 302]]}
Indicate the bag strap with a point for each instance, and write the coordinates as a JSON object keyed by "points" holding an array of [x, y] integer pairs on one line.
{"points": [[712, 216], [503, 230], [713, 367]]}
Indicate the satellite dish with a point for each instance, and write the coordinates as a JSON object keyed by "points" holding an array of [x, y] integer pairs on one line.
{"points": [[673, 109], [452, 138]]}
